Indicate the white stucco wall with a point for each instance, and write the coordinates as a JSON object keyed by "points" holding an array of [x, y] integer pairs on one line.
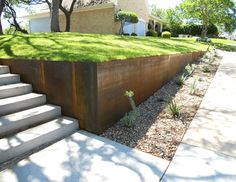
{"points": [[40, 25]]}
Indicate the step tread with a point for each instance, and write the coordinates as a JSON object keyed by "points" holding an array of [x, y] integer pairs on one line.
{"points": [[13, 86], [8, 75], [33, 133], [20, 98], [4, 69], [18, 116], [6, 79], [16, 89]]}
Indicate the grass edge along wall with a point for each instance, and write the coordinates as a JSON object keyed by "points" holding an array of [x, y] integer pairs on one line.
{"points": [[94, 92]]}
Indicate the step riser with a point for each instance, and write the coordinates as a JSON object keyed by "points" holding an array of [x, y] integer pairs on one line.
{"points": [[30, 121], [19, 106], [15, 91], [4, 70], [9, 80], [37, 142]]}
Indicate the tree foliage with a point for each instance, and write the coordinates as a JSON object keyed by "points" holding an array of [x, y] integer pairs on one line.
{"points": [[220, 12], [161, 13]]}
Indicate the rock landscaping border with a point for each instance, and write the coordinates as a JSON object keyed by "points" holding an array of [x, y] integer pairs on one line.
{"points": [[156, 131]]}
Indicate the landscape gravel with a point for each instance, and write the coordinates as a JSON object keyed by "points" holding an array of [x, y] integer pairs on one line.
{"points": [[155, 131]]}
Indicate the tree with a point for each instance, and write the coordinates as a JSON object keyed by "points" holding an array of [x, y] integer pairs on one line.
{"points": [[2, 5], [126, 16], [11, 16], [67, 12], [209, 11], [161, 13], [8, 12], [55, 27], [172, 20]]}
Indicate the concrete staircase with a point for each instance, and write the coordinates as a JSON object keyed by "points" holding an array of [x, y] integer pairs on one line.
{"points": [[26, 121]]}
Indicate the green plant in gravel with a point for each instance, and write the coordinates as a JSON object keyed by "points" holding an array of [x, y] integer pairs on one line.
{"points": [[190, 69], [174, 109], [193, 88], [130, 118], [200, 79], [181, 80], [206, 69]]}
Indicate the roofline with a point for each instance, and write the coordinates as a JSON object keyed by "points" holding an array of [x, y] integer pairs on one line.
{"points": [[156, 18], [81, 9]]}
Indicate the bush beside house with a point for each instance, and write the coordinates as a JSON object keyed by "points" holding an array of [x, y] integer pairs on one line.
{"points": [[166, 34]]}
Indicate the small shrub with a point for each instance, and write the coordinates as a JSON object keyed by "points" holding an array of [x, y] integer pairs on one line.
{"points": [[193, 88], [190, 69], [206, 69], [126, 34], [151, 33], [181, 80], [166, 35], [130, 118], [174, 109], [200, 79], [134, 34]]}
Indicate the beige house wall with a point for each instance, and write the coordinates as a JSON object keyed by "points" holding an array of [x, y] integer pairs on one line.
{"points": [[100, 21], [138, 6]]}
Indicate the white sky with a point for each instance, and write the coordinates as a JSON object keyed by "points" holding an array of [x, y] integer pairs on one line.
{"points": [[165, 4]]}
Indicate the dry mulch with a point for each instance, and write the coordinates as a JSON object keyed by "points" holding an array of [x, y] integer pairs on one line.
{"points": [[155, 130]]}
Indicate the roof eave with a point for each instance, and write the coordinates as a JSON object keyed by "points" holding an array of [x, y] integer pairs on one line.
{"points": [[156, 18]]}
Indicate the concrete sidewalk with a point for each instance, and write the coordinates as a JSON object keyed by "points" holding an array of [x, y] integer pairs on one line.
{"points": [[208, 150], [84, 157]]}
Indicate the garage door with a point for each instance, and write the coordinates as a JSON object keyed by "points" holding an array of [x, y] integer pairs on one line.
{"points": [[40, 25], [129, 28], [141, 28]]}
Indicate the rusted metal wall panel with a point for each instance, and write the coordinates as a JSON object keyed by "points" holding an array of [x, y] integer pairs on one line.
{"points": [[94, 92], [144, 76]]}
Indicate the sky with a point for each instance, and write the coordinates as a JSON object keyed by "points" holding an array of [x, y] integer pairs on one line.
{"points": [[165, 4]]}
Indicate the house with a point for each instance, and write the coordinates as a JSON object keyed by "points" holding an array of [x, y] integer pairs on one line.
{"points": [[100, 18]]}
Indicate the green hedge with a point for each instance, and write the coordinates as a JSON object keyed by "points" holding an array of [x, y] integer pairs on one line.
{"points": [[151, 33], [194, 30]]}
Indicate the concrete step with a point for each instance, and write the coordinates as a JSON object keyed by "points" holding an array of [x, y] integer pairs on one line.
{"points": [[4, 69], [19, 103], [27, 140], [14, 90], [22, 120], [6, 79]]}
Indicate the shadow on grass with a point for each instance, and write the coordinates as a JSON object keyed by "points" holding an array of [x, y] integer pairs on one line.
{"points": [[89, 47]]}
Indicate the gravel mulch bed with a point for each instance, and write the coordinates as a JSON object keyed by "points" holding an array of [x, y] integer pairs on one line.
{"points": [[155, 131]]}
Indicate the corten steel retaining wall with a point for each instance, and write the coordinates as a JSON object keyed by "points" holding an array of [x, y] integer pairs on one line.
{"points": [[94, 92]]}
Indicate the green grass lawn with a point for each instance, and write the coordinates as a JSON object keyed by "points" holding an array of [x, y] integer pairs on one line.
{"points": [[228, 45], [91, 47]]}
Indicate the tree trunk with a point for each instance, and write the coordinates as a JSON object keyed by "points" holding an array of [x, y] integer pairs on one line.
{"points": [[55, 16], [67, 15], [2, 5], [204, 22], [121, 32], [204, 28]]}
